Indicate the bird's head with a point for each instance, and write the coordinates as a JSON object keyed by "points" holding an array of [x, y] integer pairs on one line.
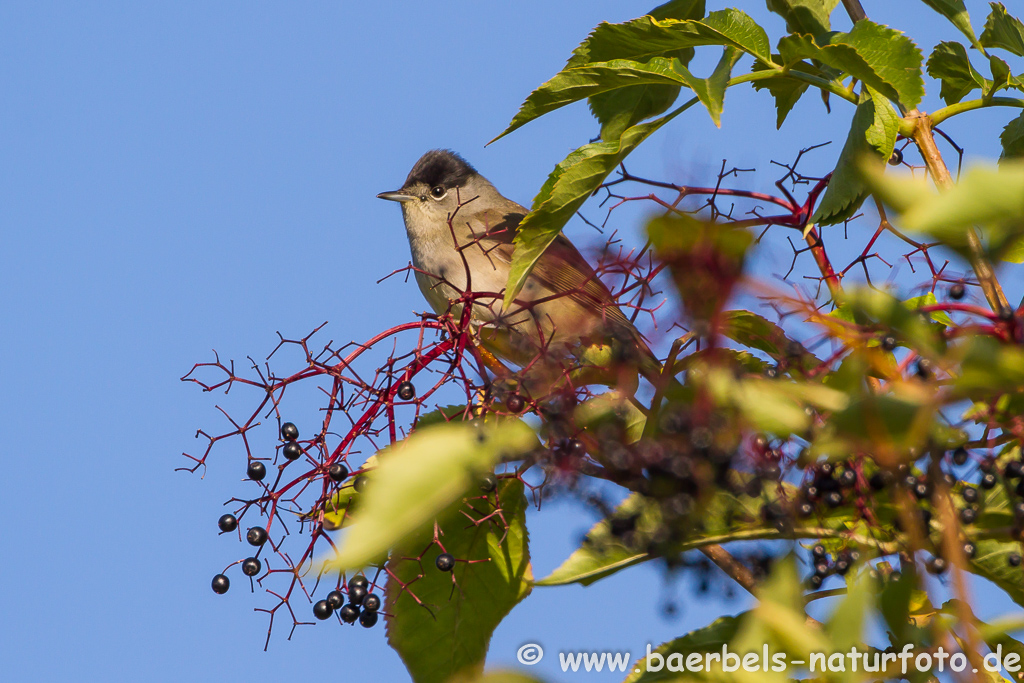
{"points": [[439, 183]]}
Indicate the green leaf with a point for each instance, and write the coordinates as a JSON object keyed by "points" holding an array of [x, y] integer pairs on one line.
{"points": [[711, 90], [1000, 76], [985, 196], [950, 64], [498, 676], [679, 9], [890, 314], [772, 406], [725, 517], [990, 562], [752, 330], [583, 81], [442, 416], [433, 467], [881, 57], [806, 16], [565, 191], [449, 632], [710, 638], [648, 37], [894, 603], [955, 11], [639, 41], [785, 89], [779, 618], [872, 136], [617, 110], [1003, 30], [846, 624], [608, 407], [989, 366], [1015, 252], [929, 299], [1012, 139]]}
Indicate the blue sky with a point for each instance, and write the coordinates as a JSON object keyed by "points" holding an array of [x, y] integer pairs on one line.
{"points": [[187, 176]]}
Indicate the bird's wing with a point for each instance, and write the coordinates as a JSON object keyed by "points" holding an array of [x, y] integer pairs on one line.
{"points": [[577, 279]]}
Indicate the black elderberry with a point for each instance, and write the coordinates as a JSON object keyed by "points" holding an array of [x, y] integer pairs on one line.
{"points": [[292, 450], [896, 158], [968, 515], [818, 552], [336, 599], [289, 432], [371, 602], [406, 391], [337, 472], [805, 509], [514, 403], [367, 618], [969, 494], [970, 550], [960, 456], [256, 536], [888, 342], [356, 594], [488, 483], [814, 582], [848, 478], [1013, 470], [445, 562], [957, 291], [937, 566], [227, 522], [1013, 559], [349, 613], [1018, 510], [772, 512], [220, 584], [360, 483], [833, 499], [322, 610], [256, 471], [880, 480], [358, 580], [251, 566], [753, 488], [988, 481]]}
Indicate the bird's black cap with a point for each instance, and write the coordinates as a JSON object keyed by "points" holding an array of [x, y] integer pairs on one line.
{"points": [[440, 167]]}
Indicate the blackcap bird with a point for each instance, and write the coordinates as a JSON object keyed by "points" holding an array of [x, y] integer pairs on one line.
{"points": [[460, 231]]}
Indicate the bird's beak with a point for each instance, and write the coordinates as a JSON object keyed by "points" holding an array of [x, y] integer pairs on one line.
{"points": [[397, 196]]}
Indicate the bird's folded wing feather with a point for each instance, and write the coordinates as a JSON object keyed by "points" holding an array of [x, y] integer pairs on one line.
{"points": [[566, 271]]}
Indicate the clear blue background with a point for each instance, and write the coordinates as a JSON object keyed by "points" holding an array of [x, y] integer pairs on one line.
{"points": [[184, 176]]}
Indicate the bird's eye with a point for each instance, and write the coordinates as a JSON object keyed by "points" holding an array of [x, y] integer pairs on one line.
{"points": [[438, 192]]}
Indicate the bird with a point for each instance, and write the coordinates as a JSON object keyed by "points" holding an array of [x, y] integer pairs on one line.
{"points": [[461, 231]]}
